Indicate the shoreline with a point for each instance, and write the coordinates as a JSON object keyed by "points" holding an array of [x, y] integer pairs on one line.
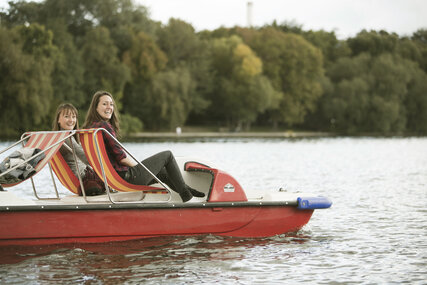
{"points": [[201, 135]]}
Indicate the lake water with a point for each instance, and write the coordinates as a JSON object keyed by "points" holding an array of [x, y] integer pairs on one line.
{"points": [[374, 233]]}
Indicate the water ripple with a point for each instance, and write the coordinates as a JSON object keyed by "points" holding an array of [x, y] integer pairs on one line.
{"points": [[375, 233]]}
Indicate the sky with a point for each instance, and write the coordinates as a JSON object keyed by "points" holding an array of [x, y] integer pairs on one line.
{"points": [[345, 17]]}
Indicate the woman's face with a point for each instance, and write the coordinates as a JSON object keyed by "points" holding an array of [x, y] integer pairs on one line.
{"points": [[105, 107], [67, 120]]}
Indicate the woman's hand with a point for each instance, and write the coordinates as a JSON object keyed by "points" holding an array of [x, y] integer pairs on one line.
{"points": [[128, 161]]}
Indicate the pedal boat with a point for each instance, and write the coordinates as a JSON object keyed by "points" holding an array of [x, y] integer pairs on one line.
{"points": [[226, 210]]}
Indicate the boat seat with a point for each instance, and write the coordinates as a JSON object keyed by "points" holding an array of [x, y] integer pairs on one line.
{"points": [[94, 147], [49, 144], [64, 173]]}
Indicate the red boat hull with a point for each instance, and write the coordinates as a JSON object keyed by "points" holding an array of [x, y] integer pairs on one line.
{"points": [[34, 227]]}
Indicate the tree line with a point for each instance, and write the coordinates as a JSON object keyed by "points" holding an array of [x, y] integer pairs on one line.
{"points": [[164, 76]]}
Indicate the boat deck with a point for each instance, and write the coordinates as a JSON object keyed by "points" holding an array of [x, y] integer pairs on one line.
{"points": [[8, 199]]}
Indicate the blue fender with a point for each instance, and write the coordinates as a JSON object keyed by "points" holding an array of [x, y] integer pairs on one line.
{"points": [[310, 203]]}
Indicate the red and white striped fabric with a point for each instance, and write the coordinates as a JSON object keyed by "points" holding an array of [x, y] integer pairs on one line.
{"points": [[87, 139], [48, 142], [65, 174]]}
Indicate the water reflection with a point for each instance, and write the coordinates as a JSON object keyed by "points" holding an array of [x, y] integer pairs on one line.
{"points": [[201, 247], [166, 258]]}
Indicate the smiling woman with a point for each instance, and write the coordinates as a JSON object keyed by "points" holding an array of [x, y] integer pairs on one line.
{"points": [[101, 114], [105, 107], [66, 119]]}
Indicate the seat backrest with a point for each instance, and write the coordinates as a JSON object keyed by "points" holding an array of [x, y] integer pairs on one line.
{"points": [[92, 138], [65, 174], [48, 142]]}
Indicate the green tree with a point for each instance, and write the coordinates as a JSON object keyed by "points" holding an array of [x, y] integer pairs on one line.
{"points": [[144, 60], [78, 15], [184, 49], [241, 92], [373, 42], [169, 99], [372, 94], [389, 90], [345, 104], [416, 99], [295, 68], [288, 27], [103, 70], [130, 124], [179, 42], [67, 77], [332, 48], [420, 39], [349, 105], [409, 49], [27, 57], [123, 19], [21, 13]]}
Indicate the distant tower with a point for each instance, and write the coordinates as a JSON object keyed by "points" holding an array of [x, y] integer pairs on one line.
{"points": [[249, 14]]}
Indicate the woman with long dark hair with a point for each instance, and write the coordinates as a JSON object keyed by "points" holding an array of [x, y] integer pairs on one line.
{"points": [[102, 114]]}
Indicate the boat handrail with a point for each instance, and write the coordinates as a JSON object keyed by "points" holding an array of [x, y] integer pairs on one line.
{"points": [[15, 144]]}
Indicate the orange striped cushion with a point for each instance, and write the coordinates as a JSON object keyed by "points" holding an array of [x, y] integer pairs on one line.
{"points": [[65, 174], [114, 180]]}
